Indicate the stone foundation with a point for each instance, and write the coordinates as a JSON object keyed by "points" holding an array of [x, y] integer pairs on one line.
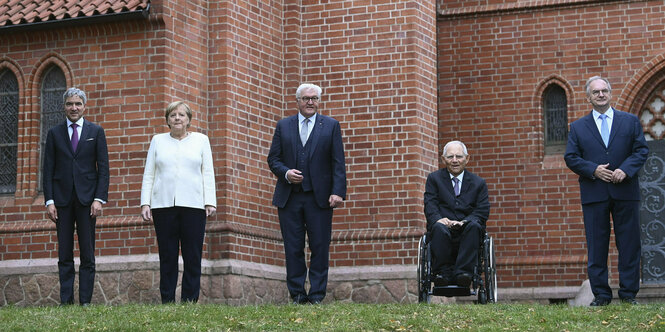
{"points": [[135, 279]]}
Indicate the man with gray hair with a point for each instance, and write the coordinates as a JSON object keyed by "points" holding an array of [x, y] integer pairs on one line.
{"points": [[606, 148], [457, 207], [307, 158], [76, 183]]}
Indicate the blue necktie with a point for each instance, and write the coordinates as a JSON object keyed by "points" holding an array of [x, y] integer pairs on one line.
{"points": [[456, 187], [604, 130]]}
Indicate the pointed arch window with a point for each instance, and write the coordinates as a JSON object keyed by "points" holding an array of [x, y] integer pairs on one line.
{"points": [[9, 100], [555, 109], [53, 86], [652, 115]]}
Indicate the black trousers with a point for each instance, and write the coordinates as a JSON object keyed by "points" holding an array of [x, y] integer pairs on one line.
{"points": [[302, 216], [455, 251], [76, 215], [179, 228], [626, 216]]}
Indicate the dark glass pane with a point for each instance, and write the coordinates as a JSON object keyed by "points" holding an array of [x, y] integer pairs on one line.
{"points": [[54, 86], [556, 118], [8, 131]]}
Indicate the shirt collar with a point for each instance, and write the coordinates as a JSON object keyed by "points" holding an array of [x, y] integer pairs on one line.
{"points": [[79, 122], [460, 176], [609, 113], [301, 118]]}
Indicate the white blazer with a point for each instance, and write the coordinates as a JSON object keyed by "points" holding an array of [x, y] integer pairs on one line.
{"points": [[179, 173]]}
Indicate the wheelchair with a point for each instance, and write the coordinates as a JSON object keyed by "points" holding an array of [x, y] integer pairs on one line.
{"points": [[483, 283]]}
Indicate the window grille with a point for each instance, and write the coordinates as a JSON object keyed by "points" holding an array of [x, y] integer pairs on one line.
{"points": [[53, 87], [8, 131], [555, 108], [652, 115]]}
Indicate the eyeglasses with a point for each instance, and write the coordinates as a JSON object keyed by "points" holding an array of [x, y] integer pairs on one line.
{"points": [[452, 156], [307, 99]]}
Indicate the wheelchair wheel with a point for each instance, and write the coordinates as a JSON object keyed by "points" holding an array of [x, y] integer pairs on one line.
{"points": [[490, 271], [424, 283]]}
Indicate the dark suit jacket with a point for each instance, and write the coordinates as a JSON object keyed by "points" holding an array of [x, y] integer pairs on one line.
{"points": [[440, 201], [87, 168], [326, 159], [627, 150]]}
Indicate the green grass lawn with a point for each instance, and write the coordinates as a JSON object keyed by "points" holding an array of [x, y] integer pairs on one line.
{"points": [[335, 317]]}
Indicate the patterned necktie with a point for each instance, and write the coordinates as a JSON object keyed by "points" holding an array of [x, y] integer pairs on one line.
{"points": [[303, 132], [456, 187], [75, 136], [604, 130]]}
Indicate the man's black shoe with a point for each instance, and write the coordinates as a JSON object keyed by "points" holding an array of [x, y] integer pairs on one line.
{"points": [[315, 302], [600, 302], [440, 280], [300, 300], [464, 280], [629, 300]]}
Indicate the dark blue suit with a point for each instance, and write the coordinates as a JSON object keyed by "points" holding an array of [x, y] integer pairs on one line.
{"points": [[458, 247], [305, 208], [628, 151], [73, 179]]}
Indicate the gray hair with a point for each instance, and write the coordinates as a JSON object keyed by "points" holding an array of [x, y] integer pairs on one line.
{"points": [[71, 92], [306, 86], [588, 82], [445, 148]]}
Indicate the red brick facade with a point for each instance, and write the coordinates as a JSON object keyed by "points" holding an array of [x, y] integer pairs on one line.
{"points": [[402, 79], [495, 59]]}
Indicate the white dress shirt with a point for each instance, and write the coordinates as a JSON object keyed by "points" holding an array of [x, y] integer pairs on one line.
{"points": [[312, 121], [610, 117], [459, 177]]}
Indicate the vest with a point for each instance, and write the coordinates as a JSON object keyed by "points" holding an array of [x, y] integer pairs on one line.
{"points": [[302, 163]]}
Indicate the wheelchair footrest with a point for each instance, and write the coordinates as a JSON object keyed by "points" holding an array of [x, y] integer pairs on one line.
{"points": [[452, 290]]}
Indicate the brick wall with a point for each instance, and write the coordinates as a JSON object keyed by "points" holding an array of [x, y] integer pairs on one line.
{"points": [[238, 65], [494, 63], [402, 80], [376, 63]]}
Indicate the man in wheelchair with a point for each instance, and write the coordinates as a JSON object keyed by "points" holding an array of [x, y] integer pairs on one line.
{"points": [[457, 207]]}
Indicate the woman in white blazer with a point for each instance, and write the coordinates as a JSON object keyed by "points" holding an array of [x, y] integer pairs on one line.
{"points": [[178, 194]]}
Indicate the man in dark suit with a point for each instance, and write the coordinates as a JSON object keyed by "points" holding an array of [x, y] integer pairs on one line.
{"points": [[76, 182], [307, 157], [457, 207], [606, 148]]}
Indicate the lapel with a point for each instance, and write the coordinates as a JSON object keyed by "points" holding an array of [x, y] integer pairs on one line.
{"points": [[314, 135], [616, 124], [448, 183], [63, 134], [590, 124], [85, 133], [293, 128]]}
